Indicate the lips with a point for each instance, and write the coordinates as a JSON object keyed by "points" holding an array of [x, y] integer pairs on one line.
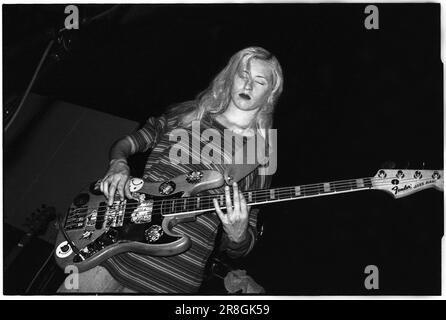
{"points": [[244, 96]]}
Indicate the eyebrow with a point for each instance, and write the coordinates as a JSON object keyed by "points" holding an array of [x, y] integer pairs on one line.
{"points": [[258, 76]]}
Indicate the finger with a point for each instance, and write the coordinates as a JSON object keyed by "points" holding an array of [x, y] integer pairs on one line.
{"points": [[105, 184], [101, 185], [220, 213], [228, 201], [120, 187], [128, 194], [111, 193], [243, 206], [236, 199]]}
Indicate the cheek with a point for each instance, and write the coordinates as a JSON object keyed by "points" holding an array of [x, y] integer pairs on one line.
{"points": [[262, 93], [237, 84]]}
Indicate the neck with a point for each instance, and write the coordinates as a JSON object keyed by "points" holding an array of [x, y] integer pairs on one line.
{"points": [[234, 118], [194, 205]]}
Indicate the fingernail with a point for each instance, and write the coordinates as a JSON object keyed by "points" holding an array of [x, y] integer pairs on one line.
{"points": [[226, 187], [235, 184]]}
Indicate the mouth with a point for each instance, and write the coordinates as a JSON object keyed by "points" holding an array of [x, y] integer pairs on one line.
{"points": [[244, 96]]}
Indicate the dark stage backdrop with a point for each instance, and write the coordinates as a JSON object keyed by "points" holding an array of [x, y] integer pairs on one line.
{"points": [[353, 98]]}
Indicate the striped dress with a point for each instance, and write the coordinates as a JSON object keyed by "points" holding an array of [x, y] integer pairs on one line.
{"points": [[184, 272]]}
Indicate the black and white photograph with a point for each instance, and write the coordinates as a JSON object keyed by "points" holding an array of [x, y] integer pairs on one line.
{"points": [[222, 149]]}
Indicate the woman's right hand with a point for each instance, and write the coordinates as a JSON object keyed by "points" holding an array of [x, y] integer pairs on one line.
{"points": [[116, 179]]}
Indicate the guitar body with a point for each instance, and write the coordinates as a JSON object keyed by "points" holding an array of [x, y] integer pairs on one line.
{"points": [[135, 225]]}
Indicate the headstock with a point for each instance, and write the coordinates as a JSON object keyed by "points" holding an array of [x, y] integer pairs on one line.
{"points": [[404, 182]]}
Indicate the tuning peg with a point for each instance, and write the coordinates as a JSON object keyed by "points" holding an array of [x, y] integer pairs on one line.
{"points": [[382, 174], [400, 174], [417, 175]]}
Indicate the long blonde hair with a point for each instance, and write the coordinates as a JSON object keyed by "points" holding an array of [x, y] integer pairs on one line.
{"points": [[215, 99]]}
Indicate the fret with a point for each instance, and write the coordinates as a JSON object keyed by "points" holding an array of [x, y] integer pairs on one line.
{"points": [[368, 182], [345, 185], [174, 206], [184, 205], [249, 197], [280, 194], [100, 217], [353, 184], [221, 200], [189, 204], [198, 202], [359, 183], [208, 204], [285, 193], [254, 196], [312, 189], [164, 208]]}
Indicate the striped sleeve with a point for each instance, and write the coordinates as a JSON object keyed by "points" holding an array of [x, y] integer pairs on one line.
{"points": [[150, 134]]}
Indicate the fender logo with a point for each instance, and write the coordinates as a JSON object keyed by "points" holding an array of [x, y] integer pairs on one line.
{"points": [[397, 189]]}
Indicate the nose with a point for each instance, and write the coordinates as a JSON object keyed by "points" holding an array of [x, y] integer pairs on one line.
{"points": [[248, 84]]}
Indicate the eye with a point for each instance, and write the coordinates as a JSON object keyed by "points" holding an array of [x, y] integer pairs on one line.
{"points": [[261, 83]]}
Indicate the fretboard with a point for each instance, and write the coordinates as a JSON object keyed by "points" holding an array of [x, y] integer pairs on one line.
{"points": [[197, 204]]}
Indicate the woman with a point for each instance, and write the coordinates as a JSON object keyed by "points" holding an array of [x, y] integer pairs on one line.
{"points": [[241, 98]]}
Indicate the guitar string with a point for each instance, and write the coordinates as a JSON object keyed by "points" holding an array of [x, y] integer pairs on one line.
{"points": [[278, 192], [209, 204], [259, 193]]}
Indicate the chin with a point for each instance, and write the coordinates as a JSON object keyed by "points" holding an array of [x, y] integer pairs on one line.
{"points": [[245, 105]]}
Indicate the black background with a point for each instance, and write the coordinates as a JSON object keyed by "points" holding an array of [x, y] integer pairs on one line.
{"points": [[353, 98]]}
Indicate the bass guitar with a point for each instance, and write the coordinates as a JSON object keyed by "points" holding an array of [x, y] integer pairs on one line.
{"points": [[92, 231]]}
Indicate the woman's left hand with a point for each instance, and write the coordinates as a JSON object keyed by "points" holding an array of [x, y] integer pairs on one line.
{"points": [[235, 220]]}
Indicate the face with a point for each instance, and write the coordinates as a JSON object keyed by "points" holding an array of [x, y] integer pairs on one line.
{"points": [[252, 85]]}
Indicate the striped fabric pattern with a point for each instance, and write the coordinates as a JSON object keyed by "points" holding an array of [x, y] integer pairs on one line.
{"points": [[182, 273]]}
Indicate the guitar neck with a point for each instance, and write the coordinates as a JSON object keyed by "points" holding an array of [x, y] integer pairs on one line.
{"points": [[195, 205]]}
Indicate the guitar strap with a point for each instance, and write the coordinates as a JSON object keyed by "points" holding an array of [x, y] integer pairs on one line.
{"points": [[253, 152]]}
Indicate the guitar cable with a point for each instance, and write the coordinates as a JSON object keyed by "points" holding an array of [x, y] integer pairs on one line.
{"points": [[68, 239], [70, 242]]}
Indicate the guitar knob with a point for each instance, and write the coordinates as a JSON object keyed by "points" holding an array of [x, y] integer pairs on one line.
{"points": [[65, 248]]}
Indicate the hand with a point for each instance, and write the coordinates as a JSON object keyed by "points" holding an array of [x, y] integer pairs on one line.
{"points": [[235, 221], [116, 179]]}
